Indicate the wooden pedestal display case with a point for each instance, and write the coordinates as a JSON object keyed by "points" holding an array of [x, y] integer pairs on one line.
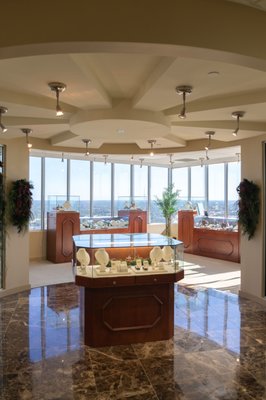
{"points": [[137, 220], [133, 305], [61, 226], [185, 229]]}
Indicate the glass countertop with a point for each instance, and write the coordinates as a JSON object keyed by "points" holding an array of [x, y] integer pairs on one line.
{"points": [[116, 240]]}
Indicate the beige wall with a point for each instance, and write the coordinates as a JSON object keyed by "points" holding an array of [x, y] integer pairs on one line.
{"points": [[252, 269], [17, 245]]}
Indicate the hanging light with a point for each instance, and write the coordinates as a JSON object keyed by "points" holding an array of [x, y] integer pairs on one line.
{"points": [[57, 87], [171, 162], [141, 162], [238, 155], [3, 110], [86, 141], [105, 158], [237, 115], [152, 143], [184, 91], [202, 159], [62, 159], [210, 134], [27, 131]]}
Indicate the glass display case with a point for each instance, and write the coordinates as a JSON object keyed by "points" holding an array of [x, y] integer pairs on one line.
{"points": [[58, 202], [114, 255], [102, 223], [216, 223], [132, 203]]}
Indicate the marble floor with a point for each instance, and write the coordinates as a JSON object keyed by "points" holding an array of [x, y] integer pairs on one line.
{"points": [[218, 351]]}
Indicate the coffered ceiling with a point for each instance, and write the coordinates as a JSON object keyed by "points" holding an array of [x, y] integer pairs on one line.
{"points": [[122, 100]]}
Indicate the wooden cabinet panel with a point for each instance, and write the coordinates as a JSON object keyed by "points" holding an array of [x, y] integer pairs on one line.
{"points": [[137, 220], [185, 229], [61, 226]]}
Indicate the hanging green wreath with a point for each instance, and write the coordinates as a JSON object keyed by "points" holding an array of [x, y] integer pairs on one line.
{"points": [[248, 207], [20, 202]]}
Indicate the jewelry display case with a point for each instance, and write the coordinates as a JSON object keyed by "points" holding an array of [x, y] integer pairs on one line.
{"points": [[129, 286]]}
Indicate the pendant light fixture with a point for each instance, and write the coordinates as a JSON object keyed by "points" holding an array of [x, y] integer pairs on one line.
{"points": [[201, 160], [27, 131], [62, 158], [183, 91], [152, 143], [105, 156], [141, 162], [3, 110], [57, 87], [171, 162], [237, 115], [86, 141], [210, 134]]}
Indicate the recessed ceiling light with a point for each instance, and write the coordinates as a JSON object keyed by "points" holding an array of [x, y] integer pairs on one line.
{"points": [[120, 131], [213, 73]]}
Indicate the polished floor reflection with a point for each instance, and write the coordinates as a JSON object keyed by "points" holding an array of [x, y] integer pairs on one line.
{"points": [[218, 351]]}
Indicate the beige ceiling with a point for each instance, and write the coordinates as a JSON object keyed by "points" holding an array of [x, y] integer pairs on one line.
{"points": [[120, 100]]}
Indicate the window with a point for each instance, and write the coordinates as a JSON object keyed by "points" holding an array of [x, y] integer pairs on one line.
{"points": [[159, 182], [180, 181], [121, 186], [36, 179], [140, 186], [198, 185], [55, 183], [101, 189], [216, 204], [80, 185], [234, 177]]}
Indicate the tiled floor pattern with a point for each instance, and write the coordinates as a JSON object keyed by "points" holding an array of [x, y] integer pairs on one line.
{"points": [[218, 351]]}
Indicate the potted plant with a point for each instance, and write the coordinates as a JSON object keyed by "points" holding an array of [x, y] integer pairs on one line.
{"points": [[19, 202], [168, 206], [248, 207]]}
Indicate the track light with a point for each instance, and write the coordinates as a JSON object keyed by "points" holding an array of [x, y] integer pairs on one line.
{"points": [[183, 90], [152, 143], [141, 162], [27, 131], [57, 87], [236, 115], [3, 110], [86, 141], [210, 134]]}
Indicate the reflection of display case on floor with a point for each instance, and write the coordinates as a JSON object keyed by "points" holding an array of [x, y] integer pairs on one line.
{"points": [[134, 305], [209, 236], [61, 226]]}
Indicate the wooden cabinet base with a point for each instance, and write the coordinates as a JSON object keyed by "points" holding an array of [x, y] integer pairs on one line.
{"points": [[132, 314]]}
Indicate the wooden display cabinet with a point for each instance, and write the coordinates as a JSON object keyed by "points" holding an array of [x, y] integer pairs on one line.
{"points": [[133, 307], [61, 226], [137, 220], [216, 243]]}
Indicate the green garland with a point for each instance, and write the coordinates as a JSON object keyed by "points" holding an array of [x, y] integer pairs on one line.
{"points": [[248, 207], [20, 202]]}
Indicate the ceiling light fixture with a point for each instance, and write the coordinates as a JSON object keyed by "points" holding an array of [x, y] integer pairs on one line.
{"points": [[171, 162], [27, 131], [238, 157], [237, 115], [141, 162], [105, 158], [183, 90], [210, 134], [201, 160], [152, 143], [3, 110], [62, 159], [86, 141], [57, 87]]}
